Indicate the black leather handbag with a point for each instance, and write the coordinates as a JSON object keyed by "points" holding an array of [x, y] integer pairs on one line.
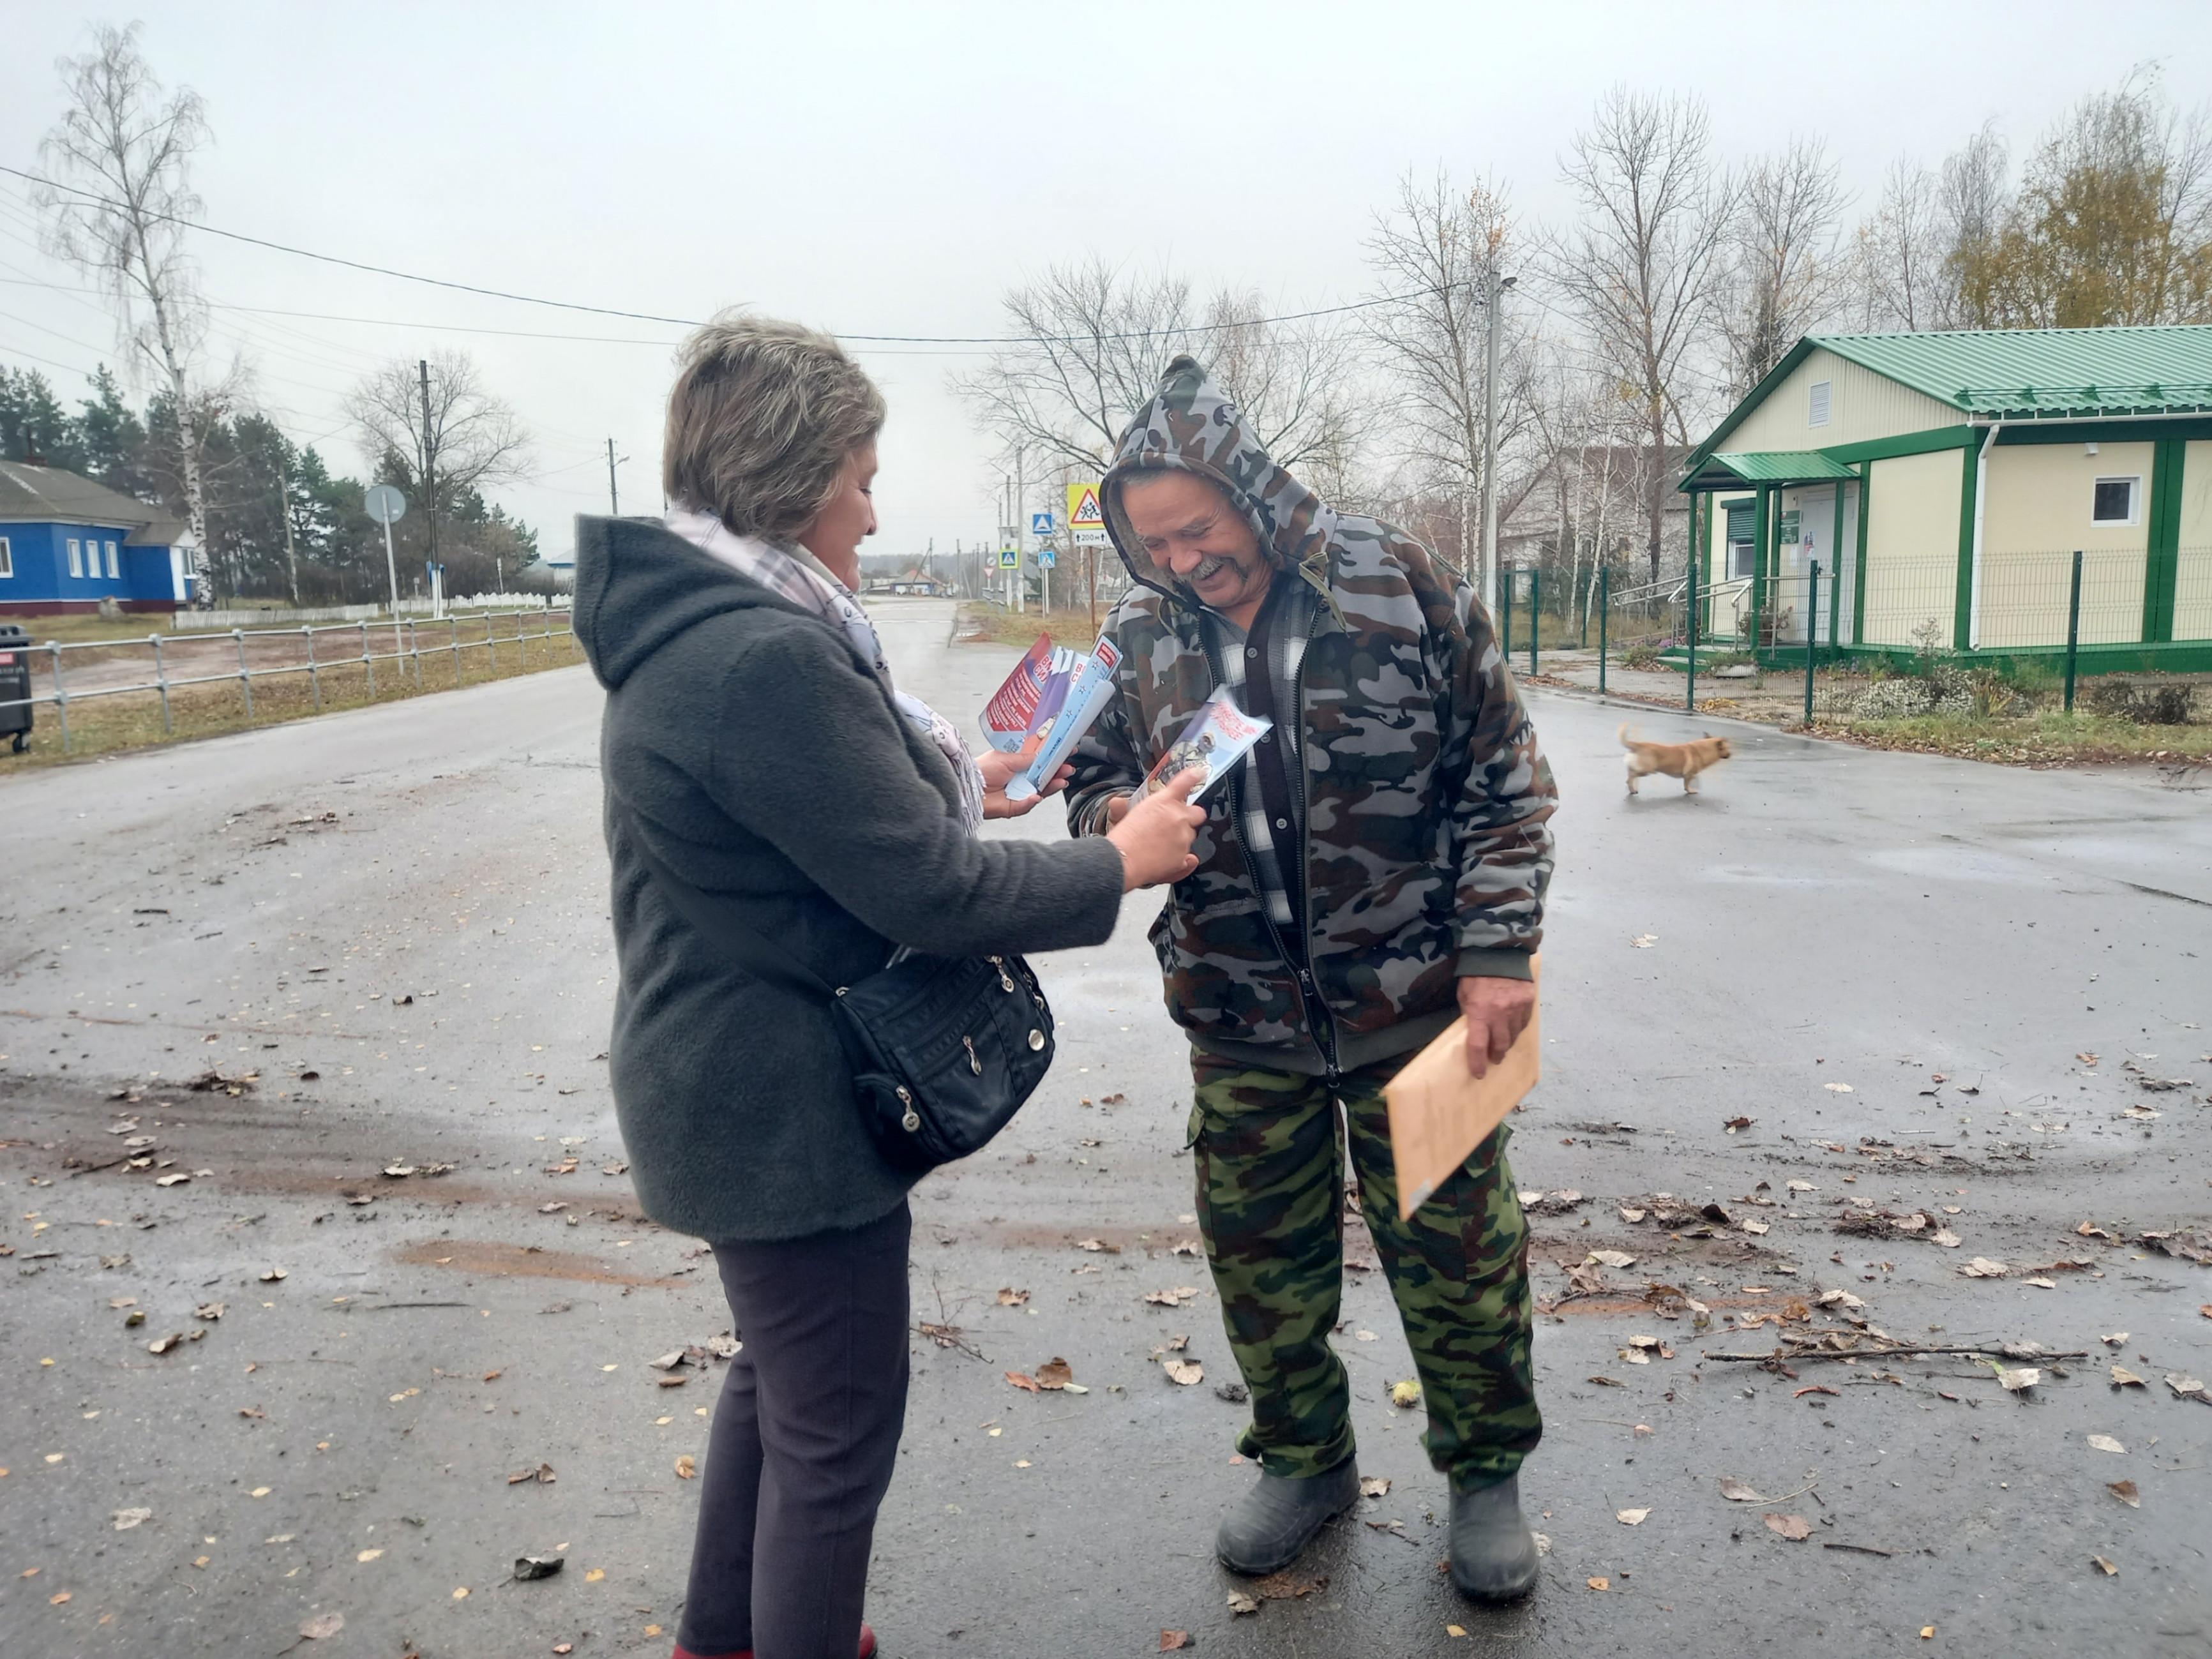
{"points": [[944, 1049]]}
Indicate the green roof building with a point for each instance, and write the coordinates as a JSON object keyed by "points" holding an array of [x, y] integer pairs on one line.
{"points": [[1943, 483]]}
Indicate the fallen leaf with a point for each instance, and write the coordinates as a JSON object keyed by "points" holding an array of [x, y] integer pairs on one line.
{"points": [[1097, 1246], [270, 1275], [323, 1624], [1982, 1267], [2103, 1566], [1240, 1603], [529, 1567], [2042, 1284], [1406, 1394], [543, 1475], [1187, 1372], [126, 1519], [211, 1311], [595, 1575], [1928, 1632], [1599, 1583], [685, 1468], [1813, 1387], [1945, 1237], [1631, 1517], [1172, 1639], [2124, 1378], [1011, 1297], [59, 1597], [2126, 1492], [1630, 1215], [365, 1556], [2187, 1387], [1737, 1491], [2020, 1378], [1802, 1187], [164, 1344], [2115, 1339], [1055, 1373], [1794, 1528], [1735, 1123], [1609, 1259], [1374, 1486], [1645, 941], [2105, 1443], [1836, 1088], [1174, 1299], [1022, 1380]]}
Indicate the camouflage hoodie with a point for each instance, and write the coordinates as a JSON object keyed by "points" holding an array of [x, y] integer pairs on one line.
{"points": [[1427, 847]]}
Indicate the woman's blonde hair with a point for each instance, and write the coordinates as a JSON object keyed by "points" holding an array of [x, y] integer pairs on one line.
{"points": [[761, 421]]}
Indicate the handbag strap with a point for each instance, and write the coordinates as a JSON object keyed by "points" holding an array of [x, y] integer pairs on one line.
{"points": [[713, 917]]}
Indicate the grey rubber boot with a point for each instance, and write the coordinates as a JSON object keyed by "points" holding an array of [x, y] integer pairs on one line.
{"points": [[1493, 1553], [1279, 1517]]}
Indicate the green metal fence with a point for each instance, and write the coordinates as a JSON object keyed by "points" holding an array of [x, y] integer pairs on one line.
{"points": [[2030, 632]]}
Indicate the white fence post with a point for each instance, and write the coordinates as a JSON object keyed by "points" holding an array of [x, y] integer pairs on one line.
{"points": [[314, 676], [368, 662], [161, 679], [245, 676], [61, 693]]}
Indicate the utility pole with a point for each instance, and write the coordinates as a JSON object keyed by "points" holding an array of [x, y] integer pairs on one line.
{"points": [[614, 501], [430, 460], [1495, 287], [1020, 500], [291, 553]]}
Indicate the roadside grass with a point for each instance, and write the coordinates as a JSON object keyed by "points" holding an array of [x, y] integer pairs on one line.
{"points": [[2043, 738], [125, 720], [993, 624], [85, 628]]}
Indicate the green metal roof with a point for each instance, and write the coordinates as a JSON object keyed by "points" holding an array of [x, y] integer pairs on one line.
{"points": [[2012, 374], [2023, 373], [1765, 467]]}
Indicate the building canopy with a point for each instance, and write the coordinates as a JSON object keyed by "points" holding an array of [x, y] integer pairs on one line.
{"points": [[1762, 468]]}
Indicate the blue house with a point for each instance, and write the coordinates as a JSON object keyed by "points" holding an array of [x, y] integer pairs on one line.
{"points": [[66, 543]]}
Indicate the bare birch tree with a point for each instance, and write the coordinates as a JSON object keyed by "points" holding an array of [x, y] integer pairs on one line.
{"points": [[1898, 256], [1092, 341], [1785, 276], [1641, 262], [466, 440], [1435, 253], [117, 205]]}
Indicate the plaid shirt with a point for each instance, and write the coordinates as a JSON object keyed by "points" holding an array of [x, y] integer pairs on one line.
{"points": [[1272, 847]]}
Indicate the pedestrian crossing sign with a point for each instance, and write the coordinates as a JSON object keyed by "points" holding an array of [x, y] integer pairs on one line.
{"points": [[1010, 558]]}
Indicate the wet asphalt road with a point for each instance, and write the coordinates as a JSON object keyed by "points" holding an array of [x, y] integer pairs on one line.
{"points": [[341, 1440]]}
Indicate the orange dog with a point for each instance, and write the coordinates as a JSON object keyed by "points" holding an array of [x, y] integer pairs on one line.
{"points": [[1677, 760]]}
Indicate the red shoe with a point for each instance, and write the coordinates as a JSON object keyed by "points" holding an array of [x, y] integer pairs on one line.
{"points": [[868, 1650]]}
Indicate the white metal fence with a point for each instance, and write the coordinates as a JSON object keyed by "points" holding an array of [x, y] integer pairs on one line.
{"points": [[78, 672], [224, 621]]}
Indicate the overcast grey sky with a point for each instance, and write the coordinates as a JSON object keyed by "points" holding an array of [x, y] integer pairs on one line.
{"points": [[892, 168]]}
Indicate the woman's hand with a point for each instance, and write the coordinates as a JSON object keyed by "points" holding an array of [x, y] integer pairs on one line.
{"points": [[1154, 835], [999, 769]]}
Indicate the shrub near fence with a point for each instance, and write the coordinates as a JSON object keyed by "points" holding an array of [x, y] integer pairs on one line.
{"points": [[109, 694]]}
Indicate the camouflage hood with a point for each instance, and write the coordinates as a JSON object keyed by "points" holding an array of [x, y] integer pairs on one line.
{"points": [[1190, 426]]}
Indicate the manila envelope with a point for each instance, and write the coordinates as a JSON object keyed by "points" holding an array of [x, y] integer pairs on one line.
{"points": [[1439, 1112]]}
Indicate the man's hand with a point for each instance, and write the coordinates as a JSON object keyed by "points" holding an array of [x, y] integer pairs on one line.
{"points": [[1498, 1011]]}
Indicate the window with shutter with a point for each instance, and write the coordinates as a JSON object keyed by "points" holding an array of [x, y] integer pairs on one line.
{"points": [[1817, 413]]}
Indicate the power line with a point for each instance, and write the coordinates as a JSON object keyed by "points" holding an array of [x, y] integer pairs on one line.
{"points": [[690, 322]]}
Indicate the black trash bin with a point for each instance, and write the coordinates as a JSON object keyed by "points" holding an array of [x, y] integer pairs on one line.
{"points": [[15, 683]]}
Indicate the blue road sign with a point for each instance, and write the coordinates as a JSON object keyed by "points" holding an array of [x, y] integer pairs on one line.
{"points": [[1010, 558], [1046, 558], [1040, 524]]}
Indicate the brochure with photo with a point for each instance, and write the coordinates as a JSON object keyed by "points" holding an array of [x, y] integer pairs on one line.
{"points": [[1066, 709], [1219, 736], [1010, 714]]}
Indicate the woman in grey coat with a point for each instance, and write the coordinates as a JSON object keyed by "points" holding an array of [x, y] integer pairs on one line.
{"points": [[754, 741]]}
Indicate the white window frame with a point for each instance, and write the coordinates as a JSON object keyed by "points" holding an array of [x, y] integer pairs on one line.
{"points": [[2134, 481], [1819, 403], [77, 557], [7, 559], [114, 570]]}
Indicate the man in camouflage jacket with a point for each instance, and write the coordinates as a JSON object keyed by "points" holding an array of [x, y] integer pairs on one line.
{"points": [[1373, 868]]}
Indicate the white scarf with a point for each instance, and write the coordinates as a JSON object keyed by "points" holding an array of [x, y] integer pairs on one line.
{"points": [[799, 576]]}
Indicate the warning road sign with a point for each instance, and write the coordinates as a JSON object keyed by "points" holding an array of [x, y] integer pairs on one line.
{"points": [[1086, 519], [1010, 558]]}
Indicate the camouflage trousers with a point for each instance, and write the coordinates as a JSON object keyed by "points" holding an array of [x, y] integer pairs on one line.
{"points": [[1270, 1204]]}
